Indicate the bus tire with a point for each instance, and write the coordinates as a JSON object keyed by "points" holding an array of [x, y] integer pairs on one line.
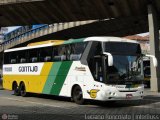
{"points": [[23, 90], [15, 89], [77, 95]]}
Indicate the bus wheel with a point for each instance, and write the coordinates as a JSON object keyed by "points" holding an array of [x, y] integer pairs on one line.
{"points": [[23, 90], [77, 95], [16, 89]]}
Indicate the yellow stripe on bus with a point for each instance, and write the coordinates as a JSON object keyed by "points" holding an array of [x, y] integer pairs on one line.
{"points": [[55, 42], [33, 83]]}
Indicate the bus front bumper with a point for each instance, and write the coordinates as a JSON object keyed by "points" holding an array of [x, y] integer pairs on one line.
{"points": [[110, 96]]}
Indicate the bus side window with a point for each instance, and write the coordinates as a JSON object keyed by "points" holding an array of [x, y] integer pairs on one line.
{"points": [[68, 52], [33, 55], [7, 58], [77, 50], [95, 62], [62, 53], [13, 57], [45, 54], [59, 53], [56, 57], [22, 56]]}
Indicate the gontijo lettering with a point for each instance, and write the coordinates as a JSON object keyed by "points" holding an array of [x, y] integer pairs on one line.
{"points": [[28, 69]]}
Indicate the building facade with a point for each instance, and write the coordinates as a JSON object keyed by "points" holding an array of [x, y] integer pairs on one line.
{"points": [[143, 40]]}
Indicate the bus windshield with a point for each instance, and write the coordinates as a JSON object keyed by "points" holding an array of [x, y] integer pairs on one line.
{"points": [[125, 68], [127, 63]]}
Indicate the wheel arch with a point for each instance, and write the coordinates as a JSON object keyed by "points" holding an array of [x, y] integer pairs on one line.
{"points": [[21, 83], [74, 87], [13, 83]]}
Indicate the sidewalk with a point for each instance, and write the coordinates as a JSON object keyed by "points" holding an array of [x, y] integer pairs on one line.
{"points": [[148, 92]]}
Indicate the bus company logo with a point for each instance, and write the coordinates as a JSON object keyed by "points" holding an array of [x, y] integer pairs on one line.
{"points": [[4, 117], [28, 69], [93, 93], [80, 69]]}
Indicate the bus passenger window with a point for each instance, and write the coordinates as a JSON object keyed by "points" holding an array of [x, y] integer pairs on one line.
{"points": [[59, 53], [7, 58], [68, 52], [33, 55], [22, 56], [77, 50], [13, 61], [45, 54], [75, 57], [13, 57], [34, 59], [22, 60], [47, 59], [62, 53], [56, 57]]}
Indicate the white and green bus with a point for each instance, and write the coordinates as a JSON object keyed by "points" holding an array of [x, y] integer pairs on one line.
{"points": [[97, 68]]}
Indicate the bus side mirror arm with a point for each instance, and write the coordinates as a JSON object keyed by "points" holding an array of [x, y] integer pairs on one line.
{"points": [[155, 63], [110, 58]]}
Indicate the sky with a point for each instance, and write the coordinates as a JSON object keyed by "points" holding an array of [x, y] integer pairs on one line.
{"points": [[12, 28]]}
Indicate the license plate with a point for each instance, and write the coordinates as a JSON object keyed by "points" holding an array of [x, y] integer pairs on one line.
{"points": [[129, 96]]}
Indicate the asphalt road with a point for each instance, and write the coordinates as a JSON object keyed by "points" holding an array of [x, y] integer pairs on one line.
{"points": [[39, 107]]}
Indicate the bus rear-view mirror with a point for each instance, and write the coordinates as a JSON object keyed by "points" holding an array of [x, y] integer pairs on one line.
{"points": [[155, 63], [110, 58]]}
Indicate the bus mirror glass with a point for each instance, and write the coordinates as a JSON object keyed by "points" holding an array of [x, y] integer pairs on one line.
{"points": [[110, 58], [155, 63]]}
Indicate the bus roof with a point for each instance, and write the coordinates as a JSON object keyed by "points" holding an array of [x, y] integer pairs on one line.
{"points": [[110, 39], [46, 44], [59, 42]]}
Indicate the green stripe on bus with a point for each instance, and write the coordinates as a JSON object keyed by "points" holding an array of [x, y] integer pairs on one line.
{"points": [[74, 41], [51, 77], [60, 78]]}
